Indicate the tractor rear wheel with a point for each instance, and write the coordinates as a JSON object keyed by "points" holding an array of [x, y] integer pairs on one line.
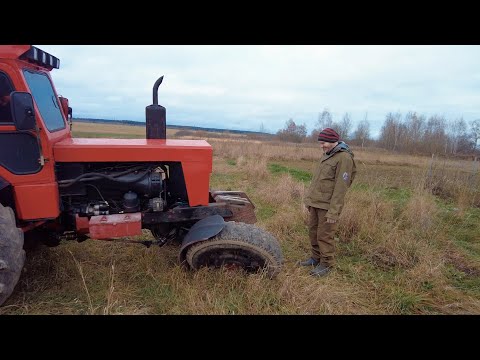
{"points": [[12, 255], [238, 246]]}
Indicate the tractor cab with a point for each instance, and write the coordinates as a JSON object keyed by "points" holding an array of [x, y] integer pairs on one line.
{"points": [[32, 120]]}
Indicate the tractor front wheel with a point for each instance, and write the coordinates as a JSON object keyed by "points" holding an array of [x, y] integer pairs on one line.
{"points": [[238, 246], [12, 255]]}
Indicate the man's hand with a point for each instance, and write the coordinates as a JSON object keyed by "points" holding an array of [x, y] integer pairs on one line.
{"points": [[331, 221]]}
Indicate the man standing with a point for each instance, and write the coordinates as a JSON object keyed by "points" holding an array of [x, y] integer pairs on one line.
{"points": [[325, 199]]}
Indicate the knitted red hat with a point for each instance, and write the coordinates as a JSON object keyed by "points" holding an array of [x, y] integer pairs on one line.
{"points": [[328, 135]]}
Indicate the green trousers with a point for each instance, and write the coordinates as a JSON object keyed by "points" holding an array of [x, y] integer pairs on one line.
{"points": [[321, 236]]}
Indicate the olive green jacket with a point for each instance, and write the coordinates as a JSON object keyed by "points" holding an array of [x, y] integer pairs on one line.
{"points": [[333, 176]]}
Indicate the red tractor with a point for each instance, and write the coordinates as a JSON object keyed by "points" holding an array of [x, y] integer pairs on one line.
{"points": [[55, 187]]}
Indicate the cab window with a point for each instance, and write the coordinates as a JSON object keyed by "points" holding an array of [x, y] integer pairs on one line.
{"points": [[5, 89], [47, 102]]}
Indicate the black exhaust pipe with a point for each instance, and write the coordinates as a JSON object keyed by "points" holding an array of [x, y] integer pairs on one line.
{"points": [[156, 116]]}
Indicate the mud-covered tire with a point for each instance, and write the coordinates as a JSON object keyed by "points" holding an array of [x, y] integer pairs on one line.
{"points": [[238, 245], [12, 255]]}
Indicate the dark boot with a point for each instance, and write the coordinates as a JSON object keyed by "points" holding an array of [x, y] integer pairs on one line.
{"points": [[320, 270], [309, 262]]}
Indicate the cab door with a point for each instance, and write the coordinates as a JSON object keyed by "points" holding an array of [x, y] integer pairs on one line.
{"points": [[19, 150]]}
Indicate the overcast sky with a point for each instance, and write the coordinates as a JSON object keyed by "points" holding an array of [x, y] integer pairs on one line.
{"points": [[242, 87]]}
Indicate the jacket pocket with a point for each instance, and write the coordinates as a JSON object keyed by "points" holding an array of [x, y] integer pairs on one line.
{"points": [[328, 171], [325, 196]]}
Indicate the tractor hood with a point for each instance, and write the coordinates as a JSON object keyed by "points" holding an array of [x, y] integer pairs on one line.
{"points": [[133, 150], [195, 157]]}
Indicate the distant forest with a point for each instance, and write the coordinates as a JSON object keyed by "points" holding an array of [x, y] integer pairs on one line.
{"points": [[169, 126], [412, 133]]}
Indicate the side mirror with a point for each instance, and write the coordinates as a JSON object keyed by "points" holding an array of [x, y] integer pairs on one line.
{"points": [[22, 110], [67, 110]]}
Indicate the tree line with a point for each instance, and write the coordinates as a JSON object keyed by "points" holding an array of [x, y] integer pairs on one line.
{"points": [[409, 133]]}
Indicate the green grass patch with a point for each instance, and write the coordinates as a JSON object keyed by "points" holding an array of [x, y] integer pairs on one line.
{"points": [[264, 211], [427, 285], [297, 174], [473, 217], [356, 267], [468, 283], [161, 296], [473, 249], [224, 181], [406, 302], [463, 229], [350, 250], [398, 195], [360, 187], [231, 162], [387, 284]]}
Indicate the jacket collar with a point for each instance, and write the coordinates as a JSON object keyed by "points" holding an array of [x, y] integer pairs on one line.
{"points": [[342, 146]]}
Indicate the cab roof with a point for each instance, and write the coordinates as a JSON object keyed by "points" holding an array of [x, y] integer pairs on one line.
{"points": [[30, 54]]}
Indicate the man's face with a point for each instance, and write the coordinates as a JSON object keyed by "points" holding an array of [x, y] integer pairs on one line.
{"points": [[326, 146]]}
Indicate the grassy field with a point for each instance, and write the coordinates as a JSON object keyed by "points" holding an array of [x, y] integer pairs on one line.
{"points": [[82, 129], [408, 243]]}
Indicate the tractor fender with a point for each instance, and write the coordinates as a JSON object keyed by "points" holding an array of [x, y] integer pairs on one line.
{"points": [[201, 231]]}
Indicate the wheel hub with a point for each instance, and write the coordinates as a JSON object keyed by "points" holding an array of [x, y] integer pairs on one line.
{"points": [[232, 259]]}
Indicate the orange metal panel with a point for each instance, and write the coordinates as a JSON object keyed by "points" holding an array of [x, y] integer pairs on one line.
{"points": [[82, 224], [117, 225], [12, 51], [197, 181], [7, 127], [88, 150], [37, 201], [45, 175]]}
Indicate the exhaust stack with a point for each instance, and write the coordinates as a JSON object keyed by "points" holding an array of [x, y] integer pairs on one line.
{"points": [[156, 116]]}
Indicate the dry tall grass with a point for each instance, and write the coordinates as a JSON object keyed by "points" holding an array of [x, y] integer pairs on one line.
{"points": [[85, 129], [402, 248]]}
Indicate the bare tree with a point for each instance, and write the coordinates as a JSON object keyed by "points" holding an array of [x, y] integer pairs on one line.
{"points": [[475, 124], [465, 141], [435, 139], [292, 132], [434, 135], [457, 136], [262, 128], [414, 127], [343, 128], [391, 131], [302, 130], [362, 134], [324, 119]]}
